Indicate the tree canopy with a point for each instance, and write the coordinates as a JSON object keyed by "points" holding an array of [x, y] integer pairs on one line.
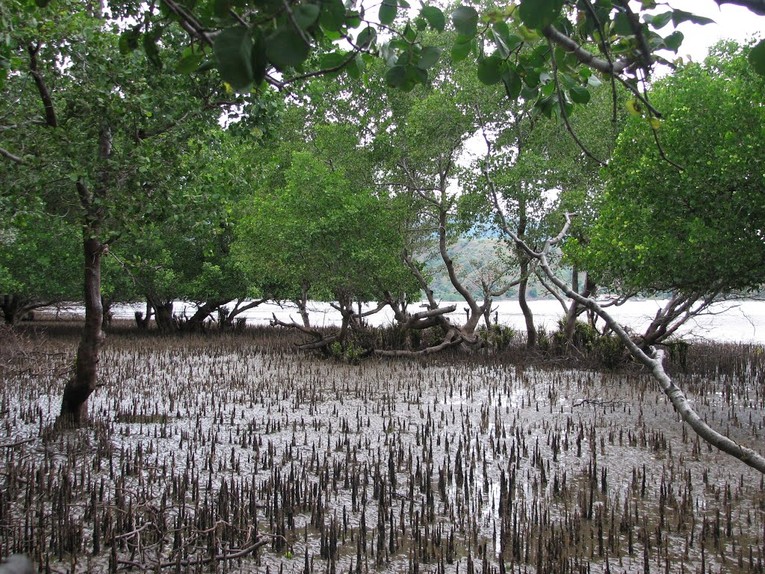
{"points": [[696, 224]]}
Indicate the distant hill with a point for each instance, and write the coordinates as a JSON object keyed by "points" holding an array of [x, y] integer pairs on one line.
{"points": [[473, 257]]}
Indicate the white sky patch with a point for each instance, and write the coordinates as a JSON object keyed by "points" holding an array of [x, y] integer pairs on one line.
{"points": [[731, 22]]}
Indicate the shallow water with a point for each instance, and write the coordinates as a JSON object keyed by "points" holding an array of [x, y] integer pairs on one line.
{"points": [[735, 321], [389, 466]]}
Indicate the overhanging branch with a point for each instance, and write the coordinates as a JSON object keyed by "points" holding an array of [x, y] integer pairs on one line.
{"points": [[653, 359], [585, 57]]}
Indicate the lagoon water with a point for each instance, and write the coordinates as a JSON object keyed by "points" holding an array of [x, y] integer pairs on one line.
{"points": [[733, 321]]}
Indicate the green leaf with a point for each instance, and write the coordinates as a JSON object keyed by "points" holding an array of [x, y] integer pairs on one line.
{"points": [[428, 57], [536, 14], [674, 40], [461, 49], [658, 21], [405, 77], [353, 19], [396, 76], [258, 59], [128, 41], [504, 40], [366, 37], [306, 15], [757, 57], [332, 15], [152, 52], [579, 94], [490, 70], [285, 48], [679, 16], [353, 69], [435, 17], [206, 66], [465, 20], [331, 60], [188, 63], [387, 11], [233, 51], [621, 25], [513, 84]]}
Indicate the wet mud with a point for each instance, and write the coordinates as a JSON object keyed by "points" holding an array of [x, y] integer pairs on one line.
{"points": [[227, 454]]}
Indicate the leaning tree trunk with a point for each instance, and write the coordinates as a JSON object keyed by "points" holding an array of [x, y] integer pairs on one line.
{"points": [[84, 380], [196, 323]]}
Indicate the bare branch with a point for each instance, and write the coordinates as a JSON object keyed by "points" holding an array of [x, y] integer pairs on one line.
{"points": [[10, 156], [188, 22], [259, 543], [347, 60], [661, 151], [646, 59], [585, 57], [422, 352], [654, 361], [430, 313], [42, 88]]}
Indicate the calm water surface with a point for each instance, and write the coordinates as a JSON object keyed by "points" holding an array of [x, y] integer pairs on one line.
{"points": [[734, 321]]}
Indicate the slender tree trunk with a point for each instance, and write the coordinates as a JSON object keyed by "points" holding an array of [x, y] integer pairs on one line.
{"points": [[302, 305], [573, 309], [74, 406], [84, 380], [525, 264], [106, 305], [528, 314]]}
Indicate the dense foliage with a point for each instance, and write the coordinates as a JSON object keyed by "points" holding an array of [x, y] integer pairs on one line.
{"points": [[695, 224], [113, 139]]}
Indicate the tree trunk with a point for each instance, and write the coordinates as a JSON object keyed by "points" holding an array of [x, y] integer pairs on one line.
{"points": [[573, 309], [302, 305], [528, 315], [196, 323], [10, 307], [163, 316], [106, 306], [74, 405]]}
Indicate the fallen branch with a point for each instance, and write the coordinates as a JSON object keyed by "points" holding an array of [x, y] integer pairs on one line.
{"points": [[259, 543], [18, 443], [422, 352]]}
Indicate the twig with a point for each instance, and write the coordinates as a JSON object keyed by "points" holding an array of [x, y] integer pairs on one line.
{"points": [[564, 115], [18, 443]]}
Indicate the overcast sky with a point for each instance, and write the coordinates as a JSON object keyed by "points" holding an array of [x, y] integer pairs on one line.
{"points": [[731, 22]]}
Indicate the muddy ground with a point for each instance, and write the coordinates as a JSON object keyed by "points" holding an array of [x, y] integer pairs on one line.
{"points": [[235, 453]]}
